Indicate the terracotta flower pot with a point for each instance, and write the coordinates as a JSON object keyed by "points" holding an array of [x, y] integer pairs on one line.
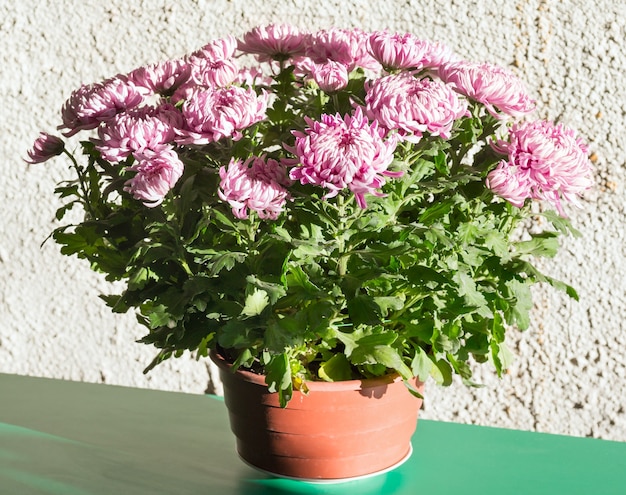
{"points": [[337, 431]]}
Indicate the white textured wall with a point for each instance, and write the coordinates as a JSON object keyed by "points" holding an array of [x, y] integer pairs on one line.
{"points": [[570, 375]]}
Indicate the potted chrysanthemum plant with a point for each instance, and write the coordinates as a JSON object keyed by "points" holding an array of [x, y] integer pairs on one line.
{"points": [[343, 211]]}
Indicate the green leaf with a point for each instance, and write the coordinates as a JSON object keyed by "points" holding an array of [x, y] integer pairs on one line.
{"points": [[467, 233], [419, 274], [412, 390], [159, 316], [278, 377], [255, 303], [447, 343], [203, 347], [319, 314], [383, 355], [545, 244], [336, 369], [60, 213], [436, 211], [501, 356], [296, 276], [282, 233], [273, 290], [467, 289], [162, 355], [519, 310], [441, 163], [115, 302], [521, 266], [473, 256], [363, 309], [223, 219], [70, 189], [139, 278], [245, 359], [285, 332], [560, 223], [498, 330], [506, 355], [225, 260], [421, 364], [236, 334], [365, 335], [442, 372], [496, 241], [389, 303]]}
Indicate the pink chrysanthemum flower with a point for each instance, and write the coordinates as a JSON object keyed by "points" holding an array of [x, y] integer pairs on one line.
{"points": [[211, 114], [223, 48], [274, 42], [338, 153], [545, 161], [493, 86], [156, 174], [214, 63], [330, 76], [346, 46], [137, 130], [213, 72], [406, 51], [270, 170], [248, 188], [414, 106], [508, 183], [92, 104], [161, 78], [438, 55], [253, 77], [45, 147]]}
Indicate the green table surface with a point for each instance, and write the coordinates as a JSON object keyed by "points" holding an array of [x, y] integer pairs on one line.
{"points": [[69, 438]]}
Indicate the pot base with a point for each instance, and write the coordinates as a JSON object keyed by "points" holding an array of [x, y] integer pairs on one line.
{"points": [[332, 481]]}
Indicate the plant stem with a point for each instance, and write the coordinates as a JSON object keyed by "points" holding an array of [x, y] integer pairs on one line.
{"points": [[81, 181], [185, 267], [341, 241]]}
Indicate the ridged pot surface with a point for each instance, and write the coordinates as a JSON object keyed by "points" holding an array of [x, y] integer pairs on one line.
{"points": [[338, 430]]}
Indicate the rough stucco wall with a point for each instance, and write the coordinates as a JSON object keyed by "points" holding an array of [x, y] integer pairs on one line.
{"points": [[570, 373]]}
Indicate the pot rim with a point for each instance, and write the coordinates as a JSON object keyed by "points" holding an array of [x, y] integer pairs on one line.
{"points": [[356, 384]]}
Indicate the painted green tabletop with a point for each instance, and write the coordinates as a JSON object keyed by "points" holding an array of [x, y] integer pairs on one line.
{"points": [[68, 438]]}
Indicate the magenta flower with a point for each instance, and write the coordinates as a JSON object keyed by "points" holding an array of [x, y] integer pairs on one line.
{"points": [[338, 153], [545, 161], [223, 48], [161, 78], [270, 170], [414, 106], [213, 72], [253, 77], [211, 114], [507, 182], [248, 188], [92, 104], [493, 86], [146, 128], [406, 51], [214, 63], [45, 147], [330, 76], [438, 55], [156, 174], [274, 42], [346, 46]]}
